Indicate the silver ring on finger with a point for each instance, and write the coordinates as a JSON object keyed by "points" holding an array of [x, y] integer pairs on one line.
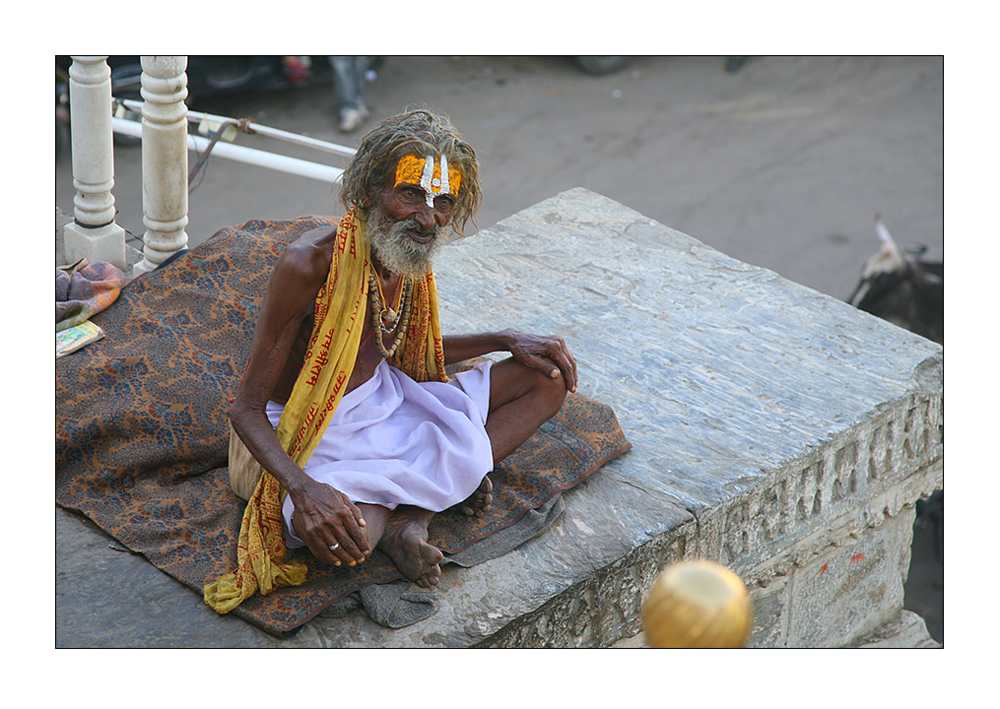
{"points": [[335, 547]]}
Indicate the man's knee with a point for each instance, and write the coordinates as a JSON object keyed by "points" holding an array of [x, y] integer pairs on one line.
{"points": [[551, 390], [513, 381]]}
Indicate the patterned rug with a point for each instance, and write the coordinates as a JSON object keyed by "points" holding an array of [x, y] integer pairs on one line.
{"points": [[142, 437]]}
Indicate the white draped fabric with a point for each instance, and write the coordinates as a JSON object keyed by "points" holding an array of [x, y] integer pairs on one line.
{"points": [[393, 441]]}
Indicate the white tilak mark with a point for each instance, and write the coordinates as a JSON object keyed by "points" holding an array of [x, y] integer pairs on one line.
{"points": [[433, 187], [425, 180], [445, 186]]}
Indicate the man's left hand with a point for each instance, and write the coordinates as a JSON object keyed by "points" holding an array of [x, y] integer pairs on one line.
{"points": [[548, 354]]}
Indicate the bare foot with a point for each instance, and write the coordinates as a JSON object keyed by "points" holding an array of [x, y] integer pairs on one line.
{"points": [[405, 542], [478, 502]]}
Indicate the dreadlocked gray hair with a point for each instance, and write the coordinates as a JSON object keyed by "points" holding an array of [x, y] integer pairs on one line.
{"points": [[422, 133]]}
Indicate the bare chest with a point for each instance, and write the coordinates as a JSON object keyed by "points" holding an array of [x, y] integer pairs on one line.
{"points": [[368, 359]]}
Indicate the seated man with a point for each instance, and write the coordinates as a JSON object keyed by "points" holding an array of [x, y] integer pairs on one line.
{"points": [[345, 401]]}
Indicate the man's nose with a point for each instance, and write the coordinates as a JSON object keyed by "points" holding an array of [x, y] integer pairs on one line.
{"points": [[429, 217]]}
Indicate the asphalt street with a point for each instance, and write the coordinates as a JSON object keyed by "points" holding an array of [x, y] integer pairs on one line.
{"points": [[783, 163]]}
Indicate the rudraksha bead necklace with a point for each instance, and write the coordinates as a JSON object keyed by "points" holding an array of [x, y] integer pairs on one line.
{"points": [[384, 318]]}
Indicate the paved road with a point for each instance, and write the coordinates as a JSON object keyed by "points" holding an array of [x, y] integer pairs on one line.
{"points": [[783, 164]]}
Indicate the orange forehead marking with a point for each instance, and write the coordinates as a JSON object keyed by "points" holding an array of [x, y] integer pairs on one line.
{"points": [[426, 172]]}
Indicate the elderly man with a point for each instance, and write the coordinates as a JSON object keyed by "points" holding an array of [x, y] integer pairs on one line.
{"points": [[345, 402]]}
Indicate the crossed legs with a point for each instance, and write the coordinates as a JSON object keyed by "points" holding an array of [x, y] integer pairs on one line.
{"points": [[521, 400]]}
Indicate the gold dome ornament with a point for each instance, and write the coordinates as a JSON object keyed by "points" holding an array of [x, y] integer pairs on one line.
{"points": [[697, 604]]}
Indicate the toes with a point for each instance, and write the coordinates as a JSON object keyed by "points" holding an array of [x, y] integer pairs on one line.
{"points": [[433, 557], [479, 501], [405, 542], [432, 577]]}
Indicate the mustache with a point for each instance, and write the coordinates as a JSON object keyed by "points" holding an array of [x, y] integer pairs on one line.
{"points": [[411, 224]]}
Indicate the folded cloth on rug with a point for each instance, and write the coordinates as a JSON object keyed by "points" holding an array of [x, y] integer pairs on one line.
{"points": [[142, 432], [81, 292], [398, 603]]}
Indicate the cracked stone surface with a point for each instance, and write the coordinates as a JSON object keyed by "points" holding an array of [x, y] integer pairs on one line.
{"points": [[720, 374]]}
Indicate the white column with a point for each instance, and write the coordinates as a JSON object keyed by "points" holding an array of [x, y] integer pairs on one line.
{"points": [[164, 159], [93, 235]]}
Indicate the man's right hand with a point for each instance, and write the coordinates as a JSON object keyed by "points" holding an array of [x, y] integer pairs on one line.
{"points": [[324, 518]]}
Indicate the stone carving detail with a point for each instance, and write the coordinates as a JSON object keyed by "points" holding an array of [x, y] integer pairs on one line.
{"points": [[827, 500], [774, 510], [845, 464], [810, 497], [876, 446], [603, 609], [857, 477]]}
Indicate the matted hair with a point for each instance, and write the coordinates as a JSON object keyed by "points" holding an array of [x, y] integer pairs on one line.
{"points": [[422, 133]]}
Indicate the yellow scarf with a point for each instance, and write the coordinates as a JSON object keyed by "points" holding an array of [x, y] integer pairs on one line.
{"points": [[333, 348]]}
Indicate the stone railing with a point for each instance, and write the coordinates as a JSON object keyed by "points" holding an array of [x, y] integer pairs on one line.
{"points": [[164, 159], [93, 234]]}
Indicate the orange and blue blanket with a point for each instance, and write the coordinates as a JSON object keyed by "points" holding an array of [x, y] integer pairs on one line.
{"points": [[142, 435]]}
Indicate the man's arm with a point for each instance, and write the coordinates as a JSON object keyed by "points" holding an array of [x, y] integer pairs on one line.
{"points": [[547, 354], [324, 515]]}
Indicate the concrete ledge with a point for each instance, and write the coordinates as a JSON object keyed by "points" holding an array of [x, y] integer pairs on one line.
{"points": [[905, 631], [775, 429], [908, 630]]}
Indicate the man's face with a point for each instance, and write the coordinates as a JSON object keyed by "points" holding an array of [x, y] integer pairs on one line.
{"points": [[407, 221]]}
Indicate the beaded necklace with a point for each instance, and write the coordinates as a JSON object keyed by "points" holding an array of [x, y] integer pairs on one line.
{"points": [[384, 318]]}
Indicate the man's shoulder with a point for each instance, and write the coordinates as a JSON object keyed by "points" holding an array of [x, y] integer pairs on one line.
{"points": [[309, 254], [322, 237]]}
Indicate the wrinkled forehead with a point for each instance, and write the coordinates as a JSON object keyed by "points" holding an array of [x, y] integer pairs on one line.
{"points": [[433, 173]]}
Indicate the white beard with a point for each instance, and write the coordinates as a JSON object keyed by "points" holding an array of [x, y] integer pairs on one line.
{"points": [[395, 250]]}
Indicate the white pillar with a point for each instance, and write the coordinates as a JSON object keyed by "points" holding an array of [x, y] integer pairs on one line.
{"points": [[164, 159], [93, 235]]}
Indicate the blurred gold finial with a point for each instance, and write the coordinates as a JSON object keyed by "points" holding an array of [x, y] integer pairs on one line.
{"points": [[697, 604]]}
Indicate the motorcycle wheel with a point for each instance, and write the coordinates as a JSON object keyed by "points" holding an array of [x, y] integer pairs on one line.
{"points": [[601, 65]]}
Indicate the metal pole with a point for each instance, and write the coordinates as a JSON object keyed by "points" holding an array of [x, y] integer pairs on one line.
{"points": [[258, 129], [283, 163]]}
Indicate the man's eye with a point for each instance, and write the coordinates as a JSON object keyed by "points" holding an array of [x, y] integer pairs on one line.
{"points": [[445, 202]]}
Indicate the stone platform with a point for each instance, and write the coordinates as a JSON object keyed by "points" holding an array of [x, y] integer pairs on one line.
{"points": [[776, 430]]}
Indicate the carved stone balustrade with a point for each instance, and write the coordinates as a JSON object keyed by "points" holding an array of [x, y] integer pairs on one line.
{"points": [[164, 159], [93, 234]]}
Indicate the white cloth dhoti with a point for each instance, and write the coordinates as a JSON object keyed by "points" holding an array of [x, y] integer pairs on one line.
{"points": [[393, 441]]}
